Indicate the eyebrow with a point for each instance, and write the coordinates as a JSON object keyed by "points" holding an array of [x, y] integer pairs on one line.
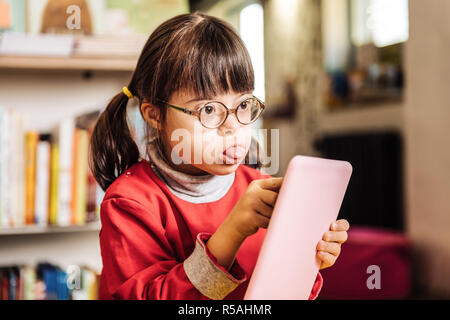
{"points": [[205, 98]]}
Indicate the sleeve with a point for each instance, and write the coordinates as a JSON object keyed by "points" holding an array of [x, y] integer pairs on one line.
{"points": [[139, 263], [316, 287]]}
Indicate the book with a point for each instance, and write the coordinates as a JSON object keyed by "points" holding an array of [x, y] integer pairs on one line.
{"points": [[5, 15], [29, 279], [73, 215], [12, 194], [79, 176], [42, 180], [16, 279], [12, 15], [4, 283], [65, 134], [62, 291], [3, 166], [5, 174], [54, 178], [31, 141], [109, 45], [18, 43], [89, 284], [18, 168]]}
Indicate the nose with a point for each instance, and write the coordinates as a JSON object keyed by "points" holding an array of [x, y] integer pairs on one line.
{"points": [[230, 125]]}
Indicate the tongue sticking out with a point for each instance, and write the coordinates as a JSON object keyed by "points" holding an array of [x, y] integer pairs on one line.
{"points": [[235, 152]]}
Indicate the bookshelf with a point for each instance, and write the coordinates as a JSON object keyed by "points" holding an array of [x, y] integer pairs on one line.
{"points": [[105, 63], [34, 229], [32, 79]]}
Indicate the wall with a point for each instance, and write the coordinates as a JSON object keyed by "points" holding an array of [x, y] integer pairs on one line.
{"points": [[336, 38], [427, 120], [293, 53]]}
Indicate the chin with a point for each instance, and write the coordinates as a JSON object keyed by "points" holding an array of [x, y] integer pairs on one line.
{"points": [[222, 169]]}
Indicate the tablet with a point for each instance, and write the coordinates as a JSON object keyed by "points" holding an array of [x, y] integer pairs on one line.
{"points": [[308, 202]]}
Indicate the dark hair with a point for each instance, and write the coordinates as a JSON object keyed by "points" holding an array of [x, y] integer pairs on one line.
{"points": [[195, 52]]}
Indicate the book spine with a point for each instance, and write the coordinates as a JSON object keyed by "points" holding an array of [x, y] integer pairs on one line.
{"points": [[6, 170], [42, 182], [19, 191], [31, 139], [74, 200], [54, 178], [66, 133], [29, 281], [13, 169], [81, 178]]}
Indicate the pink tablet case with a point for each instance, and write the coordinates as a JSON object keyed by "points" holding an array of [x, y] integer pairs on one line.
{"points": [[309, 200]]}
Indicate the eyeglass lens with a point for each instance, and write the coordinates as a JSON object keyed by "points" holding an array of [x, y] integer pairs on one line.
{"points": [[213, 114]]}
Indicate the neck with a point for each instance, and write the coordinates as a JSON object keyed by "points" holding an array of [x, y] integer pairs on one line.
{"points": [[182, 167]]}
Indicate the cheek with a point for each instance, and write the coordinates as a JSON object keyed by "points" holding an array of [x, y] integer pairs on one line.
{"points": [[247, 134], [179, 133]]}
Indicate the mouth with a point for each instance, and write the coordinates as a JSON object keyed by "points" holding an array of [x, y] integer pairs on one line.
{"points": [[234, 154]]}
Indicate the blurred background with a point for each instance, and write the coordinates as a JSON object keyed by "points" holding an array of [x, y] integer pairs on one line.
{"points": [[359, 80]]}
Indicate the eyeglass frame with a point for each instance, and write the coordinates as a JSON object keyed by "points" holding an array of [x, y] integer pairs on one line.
{"points": [[229, 111]]}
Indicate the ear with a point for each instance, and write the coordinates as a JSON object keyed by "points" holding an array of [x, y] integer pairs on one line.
{"points": [[151, 114]]}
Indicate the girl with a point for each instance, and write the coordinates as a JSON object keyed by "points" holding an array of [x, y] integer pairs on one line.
{"points": [[174, 228]]}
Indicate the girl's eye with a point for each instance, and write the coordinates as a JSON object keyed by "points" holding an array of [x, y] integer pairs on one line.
{"points": [[209, 109], [243, 105]]}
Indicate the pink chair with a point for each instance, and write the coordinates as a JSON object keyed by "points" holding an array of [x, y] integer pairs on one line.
{"points": [[365, 247]]}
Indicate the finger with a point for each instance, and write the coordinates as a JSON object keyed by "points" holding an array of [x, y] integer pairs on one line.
{"points": [[262, 220], [263, 209], [273, 184], [340, 225], [331, 247], [269, 197], [327, 259], [335, 236]]}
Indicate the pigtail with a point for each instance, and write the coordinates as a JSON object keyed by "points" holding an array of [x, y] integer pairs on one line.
{"points": [[112, 148]]}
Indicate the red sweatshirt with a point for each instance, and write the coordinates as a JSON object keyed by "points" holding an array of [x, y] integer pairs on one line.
{"points": [[153, 243]]}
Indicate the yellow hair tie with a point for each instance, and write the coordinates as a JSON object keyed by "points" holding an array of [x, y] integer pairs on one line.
{"points": [[127, 93]]}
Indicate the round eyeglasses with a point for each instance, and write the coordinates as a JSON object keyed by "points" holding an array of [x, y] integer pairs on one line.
{"points": [[214, 113]]}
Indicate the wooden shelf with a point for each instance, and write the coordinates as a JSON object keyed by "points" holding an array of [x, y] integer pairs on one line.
{"points": [[91, 226], [386, 116], [83, 63]]}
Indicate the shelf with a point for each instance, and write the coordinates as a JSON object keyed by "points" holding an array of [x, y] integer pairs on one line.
{"points": [[92, 226], [83, 63], [386, 116]]}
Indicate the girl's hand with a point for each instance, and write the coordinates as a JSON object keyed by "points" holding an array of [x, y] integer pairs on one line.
{"points": [[329, 248], [251, 212], [255, 207]]}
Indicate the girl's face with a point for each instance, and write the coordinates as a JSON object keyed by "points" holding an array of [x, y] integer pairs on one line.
{"points": [[216, 151]]}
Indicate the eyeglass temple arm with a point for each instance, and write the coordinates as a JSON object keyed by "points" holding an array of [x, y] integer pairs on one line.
{"points": [[179, 108]]}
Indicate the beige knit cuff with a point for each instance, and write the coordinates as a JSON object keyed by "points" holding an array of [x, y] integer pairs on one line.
{"points": [[208, 277]]}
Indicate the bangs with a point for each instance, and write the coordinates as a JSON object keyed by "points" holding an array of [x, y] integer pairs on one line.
{"points": [[208, 60]]}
